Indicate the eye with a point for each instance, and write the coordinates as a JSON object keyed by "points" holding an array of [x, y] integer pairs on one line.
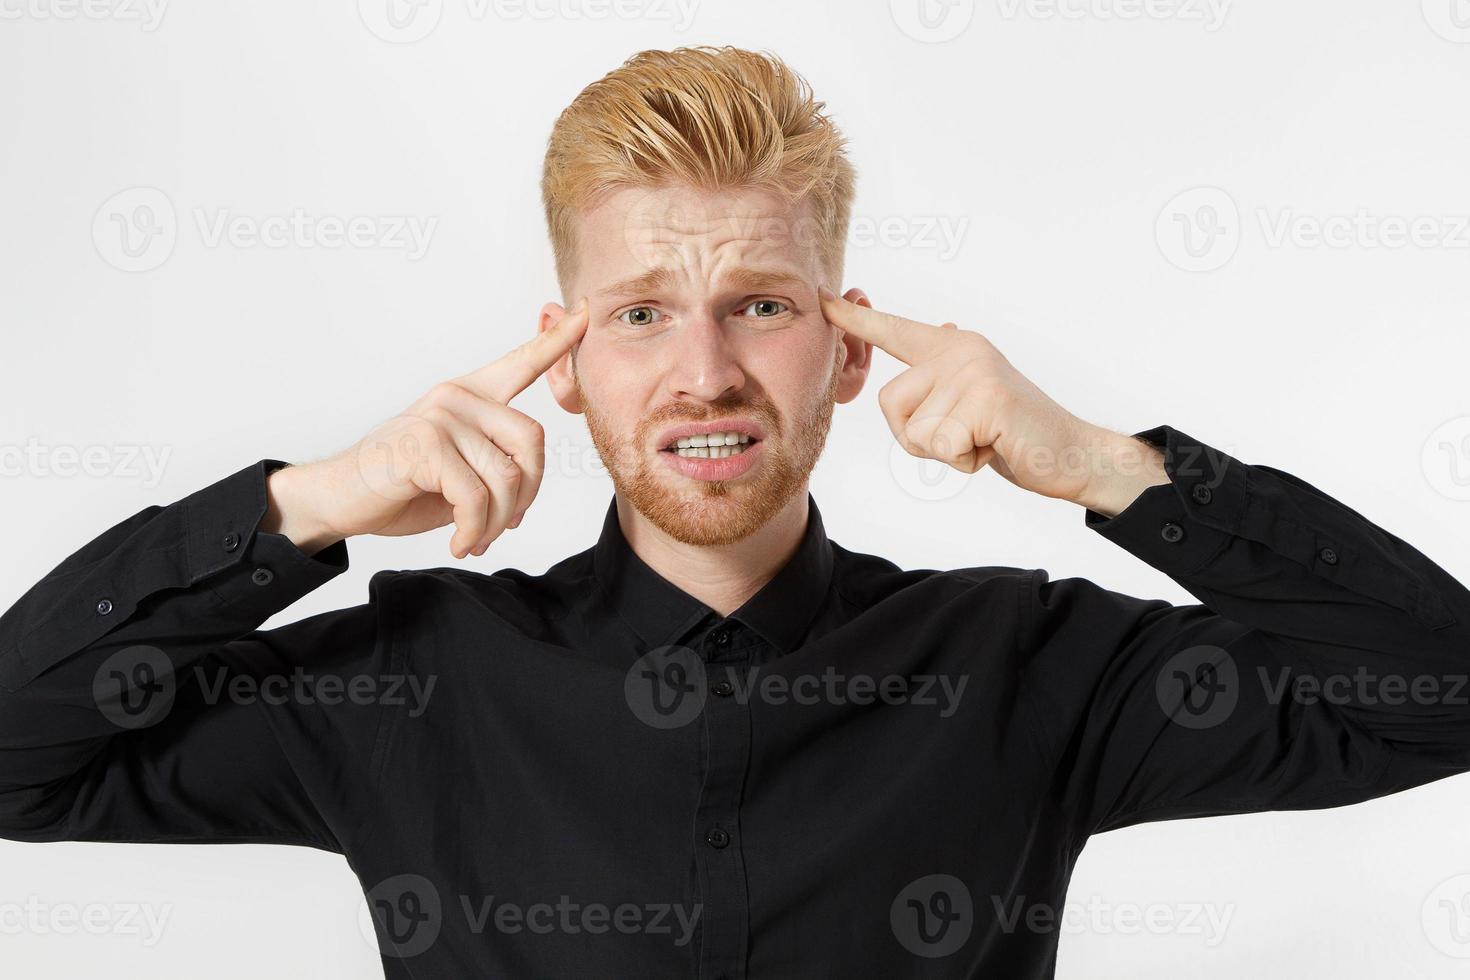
{"points": [[638, 316], [764, 308]]}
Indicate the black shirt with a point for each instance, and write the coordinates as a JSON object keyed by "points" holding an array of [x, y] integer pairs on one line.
{"points": [[865, 771]]}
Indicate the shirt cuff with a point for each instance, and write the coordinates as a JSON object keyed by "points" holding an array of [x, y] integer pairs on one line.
{"points": [[1179, 526], [256, 572], [210, 534]]}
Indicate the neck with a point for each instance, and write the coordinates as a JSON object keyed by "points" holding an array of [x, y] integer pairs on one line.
{"points": [[722, 577]]}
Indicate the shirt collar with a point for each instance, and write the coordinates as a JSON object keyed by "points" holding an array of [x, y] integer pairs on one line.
{"points": [[659, 612]]}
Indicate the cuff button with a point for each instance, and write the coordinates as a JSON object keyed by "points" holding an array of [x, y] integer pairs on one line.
{"points": [[231, 541], [1328, 556], [104, 607], [262, 576], [1172, 533]]}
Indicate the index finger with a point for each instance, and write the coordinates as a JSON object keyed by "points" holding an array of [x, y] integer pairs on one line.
{"points": [[908, 340], [512, 373]]}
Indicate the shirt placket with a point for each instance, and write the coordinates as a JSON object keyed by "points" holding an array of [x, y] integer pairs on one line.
{"points": [[718, 847]]}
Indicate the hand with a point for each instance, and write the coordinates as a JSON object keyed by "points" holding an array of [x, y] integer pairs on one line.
{"points": [[459, 454], [961, 402]]}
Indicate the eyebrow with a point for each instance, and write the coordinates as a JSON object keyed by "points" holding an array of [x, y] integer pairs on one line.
{"points": [[749, 278]]}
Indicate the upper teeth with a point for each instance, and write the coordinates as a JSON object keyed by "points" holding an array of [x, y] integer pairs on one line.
{"points": [[711, 444]]}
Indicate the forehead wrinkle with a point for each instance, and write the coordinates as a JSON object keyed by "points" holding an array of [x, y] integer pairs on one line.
{"points": [[744, 276]]}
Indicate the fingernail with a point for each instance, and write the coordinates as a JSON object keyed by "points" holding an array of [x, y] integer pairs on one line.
{"points": [[581, 305], [825, 293]]}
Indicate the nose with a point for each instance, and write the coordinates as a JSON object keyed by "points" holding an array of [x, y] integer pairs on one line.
{"points": [[703, 367]]}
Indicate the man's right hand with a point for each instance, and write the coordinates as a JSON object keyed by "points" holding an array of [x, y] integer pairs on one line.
{"points": [[459, 454]]}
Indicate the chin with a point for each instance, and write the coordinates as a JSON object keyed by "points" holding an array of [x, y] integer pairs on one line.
{"points": [[709, 515], [714, 512]]}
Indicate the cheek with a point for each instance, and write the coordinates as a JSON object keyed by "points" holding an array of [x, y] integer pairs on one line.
{"points": [[793, 361], [614, 378]]}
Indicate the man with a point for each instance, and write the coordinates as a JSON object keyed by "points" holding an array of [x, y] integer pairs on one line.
{"points": [[716, 744]]}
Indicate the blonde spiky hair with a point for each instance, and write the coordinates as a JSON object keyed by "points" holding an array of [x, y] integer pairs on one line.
{"points": [[714, 118]]}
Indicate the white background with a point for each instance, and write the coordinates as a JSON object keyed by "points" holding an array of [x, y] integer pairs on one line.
{"points": [[1051, 142]]}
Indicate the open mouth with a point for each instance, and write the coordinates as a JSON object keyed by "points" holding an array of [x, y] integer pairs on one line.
{"points": [[711, 445]]}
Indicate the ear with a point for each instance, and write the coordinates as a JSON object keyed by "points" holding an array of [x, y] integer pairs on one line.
{"points": [[561, 375], [859, 354]]}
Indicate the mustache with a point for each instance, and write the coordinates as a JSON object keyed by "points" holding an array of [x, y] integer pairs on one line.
{"points": [[757, 407]]}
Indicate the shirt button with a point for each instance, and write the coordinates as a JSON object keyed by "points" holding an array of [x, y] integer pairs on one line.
{"points": [[1202, 493], [262, 576], [1328, 556], [231, 541], [722, 637], [724, 689], [1172, 532], [717, 838], [104, 607]]}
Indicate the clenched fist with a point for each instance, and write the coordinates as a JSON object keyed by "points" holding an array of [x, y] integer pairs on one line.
{"points": [[459, 454]]}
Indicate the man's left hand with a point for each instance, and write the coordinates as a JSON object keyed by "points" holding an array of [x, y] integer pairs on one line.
{"points": [[962, 403]]}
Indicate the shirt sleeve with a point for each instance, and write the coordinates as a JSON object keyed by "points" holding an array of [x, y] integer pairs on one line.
{"points": [[1324, 665], [139, 701]]}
